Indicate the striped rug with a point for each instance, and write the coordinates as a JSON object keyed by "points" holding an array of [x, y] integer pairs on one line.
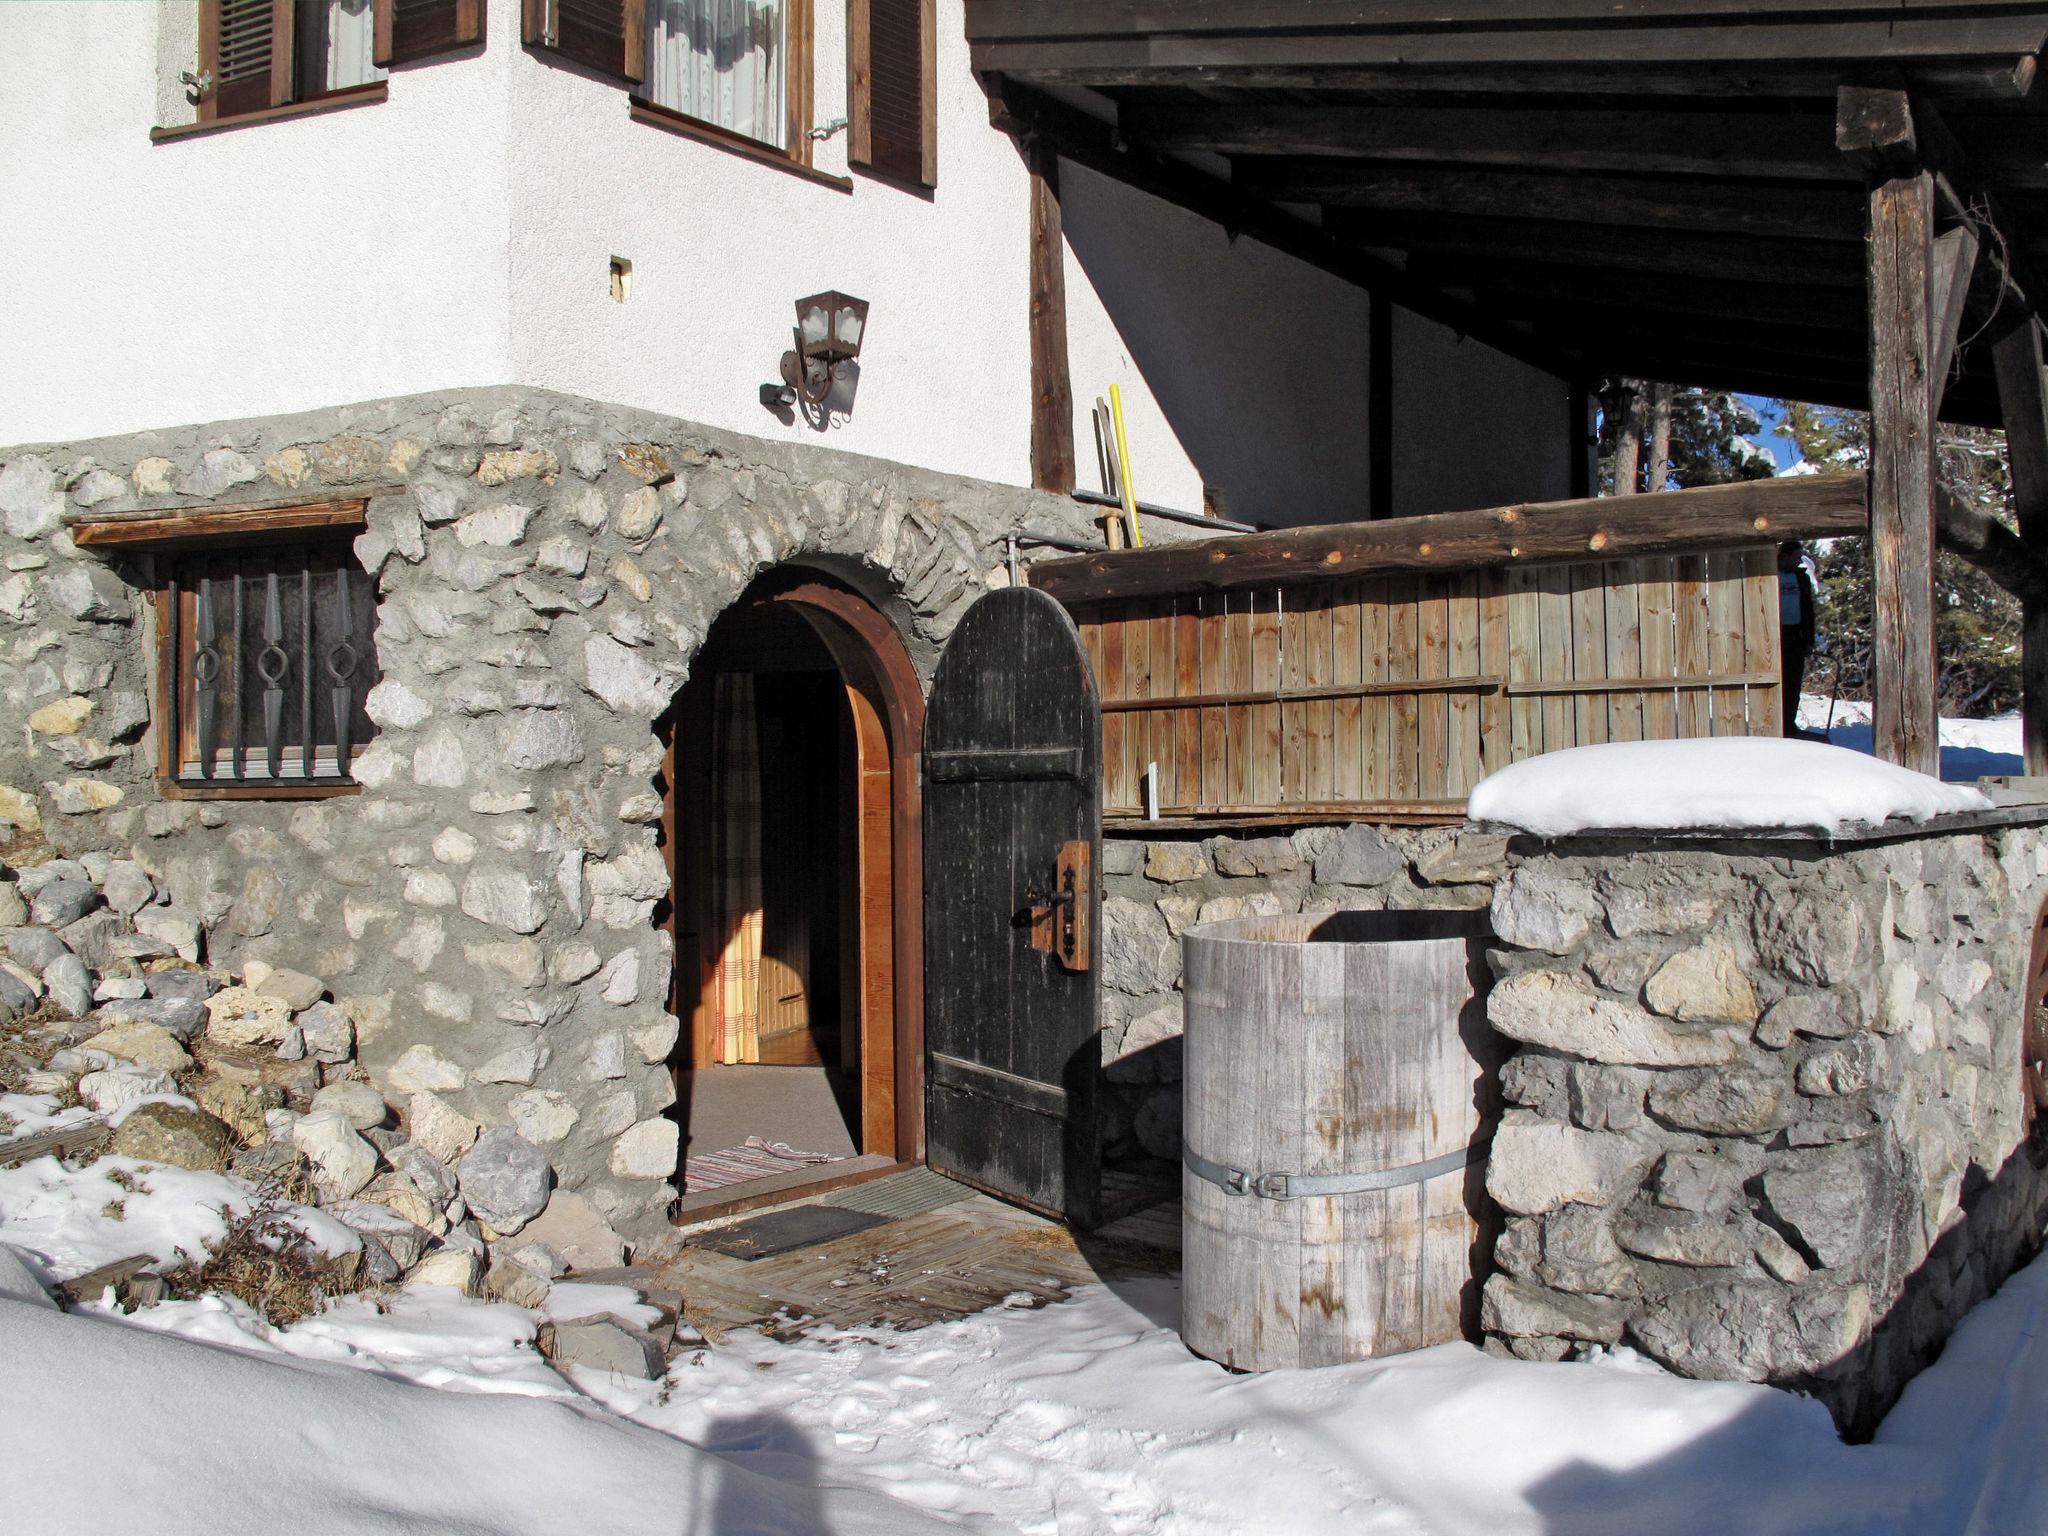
{"points": [[753, 1159]]}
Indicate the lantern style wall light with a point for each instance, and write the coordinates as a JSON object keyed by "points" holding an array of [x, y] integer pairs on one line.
{"points": [[829, 328]]}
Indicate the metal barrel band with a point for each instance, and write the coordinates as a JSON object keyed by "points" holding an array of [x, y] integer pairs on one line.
{"points": [[1302, 1186]]}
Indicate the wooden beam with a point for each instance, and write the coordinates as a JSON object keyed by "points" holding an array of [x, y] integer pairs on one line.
{"points": [[1794, 144], [1797, 212], [1902, 450], [1052, 396], [1977, 538], [2023, 402], [218, 526], [1955, 259], [1728, 258], [1605, 528]]}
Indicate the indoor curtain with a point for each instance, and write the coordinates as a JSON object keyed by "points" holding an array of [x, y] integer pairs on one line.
{"points": [[720, 61], [349, 44], [736, 862]]}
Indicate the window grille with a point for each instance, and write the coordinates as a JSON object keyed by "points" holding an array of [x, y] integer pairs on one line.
{"points": [[274, 660]]}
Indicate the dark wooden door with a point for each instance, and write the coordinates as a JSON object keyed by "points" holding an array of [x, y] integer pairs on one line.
{"points": [[1012, 837]]}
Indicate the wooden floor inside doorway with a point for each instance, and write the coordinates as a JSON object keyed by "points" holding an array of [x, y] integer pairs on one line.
{"points": [[942, 1252]]}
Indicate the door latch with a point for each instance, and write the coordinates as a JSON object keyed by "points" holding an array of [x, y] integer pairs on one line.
{"points": [[1059, 921]]}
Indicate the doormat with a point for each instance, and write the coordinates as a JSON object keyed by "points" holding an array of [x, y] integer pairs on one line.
{"points": [[755, 1158], [801, 1226]]}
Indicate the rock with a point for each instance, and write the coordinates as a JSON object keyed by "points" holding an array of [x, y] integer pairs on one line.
{"points": [[127, 888], [1535, 909], [520, 464], [34, 948], [439, 761], [505, 1180], [620, 984], [504, 898], [1139, 954], [1703, 985], [1470, 858], [520, 1064], [1580, 1254], [147, 1045], [495, 527], [516, 1284], [70, 985], [543, 1116], [342, 1161], [1538, 1165], [573, 1228], [178, 1134], [1361, 855], [242, 1016], [329, 1035], [398, 1193], [63, 901], [404, 1240], [182, 1018], [647, 1150], [241, 1108], [424, 1171], [13, 908], [624, 680], [112, 1089], [1514, 1307], [61, 717], [1834, 1198], [362, 1106], [1604, 1098], [170, 927], [1729, 1102], [1254, 855], [295, 989], [639, 515], [1807, 938], [1559, 1010], [16, 997], [1175, 862], [1778, 1257], [31, 505], [440, 1129], [422, 1069], [606, 1343], [1847, 1068], [90, 594], [457, 1268], [1752, 1330], [1696, 1181], [1690, 1243]]}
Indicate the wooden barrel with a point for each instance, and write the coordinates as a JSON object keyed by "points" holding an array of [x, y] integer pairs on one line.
{"points": [[1348, 1046]]}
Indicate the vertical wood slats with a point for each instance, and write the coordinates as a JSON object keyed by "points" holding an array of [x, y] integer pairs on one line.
{"points": [[892, 77], [1504, 665]]}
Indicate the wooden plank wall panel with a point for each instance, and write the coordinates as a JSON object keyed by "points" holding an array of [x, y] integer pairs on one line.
{"points": [[1294, 694]]}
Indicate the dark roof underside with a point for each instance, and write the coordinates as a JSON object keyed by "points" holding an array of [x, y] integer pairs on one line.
{"points": [[1640, 187]]}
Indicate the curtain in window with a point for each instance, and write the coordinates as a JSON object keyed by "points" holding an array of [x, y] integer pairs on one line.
{"points": [[736, 866], [339, 45], [720, 61]]}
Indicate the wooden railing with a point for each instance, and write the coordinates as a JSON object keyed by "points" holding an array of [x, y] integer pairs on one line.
{"points": [[1387, 692]]}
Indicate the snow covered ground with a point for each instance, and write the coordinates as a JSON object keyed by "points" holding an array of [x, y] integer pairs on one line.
{"points": [[1970, 749], [1084, 1419]]}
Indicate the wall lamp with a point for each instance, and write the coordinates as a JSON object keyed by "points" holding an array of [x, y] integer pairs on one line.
{"points": [[829, 328]]}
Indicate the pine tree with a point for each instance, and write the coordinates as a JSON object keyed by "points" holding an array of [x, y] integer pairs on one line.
{"points": [[1977, 623], [1709, 436]]}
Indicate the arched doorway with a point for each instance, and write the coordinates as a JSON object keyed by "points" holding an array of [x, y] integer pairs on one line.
{"points": [[793, 823]]}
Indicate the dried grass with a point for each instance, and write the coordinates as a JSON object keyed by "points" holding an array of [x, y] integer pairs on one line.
{"points": [[267, 1262]]}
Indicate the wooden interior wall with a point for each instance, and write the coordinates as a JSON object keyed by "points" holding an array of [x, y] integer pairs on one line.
{"points": [[1398, 693]]}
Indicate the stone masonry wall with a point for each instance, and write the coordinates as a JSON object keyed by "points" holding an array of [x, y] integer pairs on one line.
{"points": [[483, 909], [1766, 1119], [1157, 885]]}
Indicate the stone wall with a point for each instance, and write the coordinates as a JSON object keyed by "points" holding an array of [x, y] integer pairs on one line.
{"points": [[1766, 1117], [483, 909], [1157, 885]]}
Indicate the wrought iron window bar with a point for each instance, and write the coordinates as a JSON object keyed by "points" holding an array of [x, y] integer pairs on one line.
{"points": [[274, 662]]}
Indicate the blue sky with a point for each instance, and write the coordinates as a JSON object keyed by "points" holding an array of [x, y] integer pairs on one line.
{"points": [[1780, 446]]}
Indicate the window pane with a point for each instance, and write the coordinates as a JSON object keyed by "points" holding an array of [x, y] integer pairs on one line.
{"points": [[722, 61], [337, 43]]}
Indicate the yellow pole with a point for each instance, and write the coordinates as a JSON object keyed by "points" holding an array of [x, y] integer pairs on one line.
{"points": [[1123, 465]]}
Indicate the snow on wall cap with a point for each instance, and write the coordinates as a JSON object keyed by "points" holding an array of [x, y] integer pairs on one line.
{"points": [[1727, 784]]}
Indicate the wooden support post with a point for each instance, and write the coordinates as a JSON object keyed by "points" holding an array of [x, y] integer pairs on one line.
{"points": [[1902, 353], [2024, 404], [1052, 391]]}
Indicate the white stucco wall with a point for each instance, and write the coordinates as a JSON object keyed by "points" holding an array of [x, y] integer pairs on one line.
{"points": [[1472, 426], [275, 268], [460, 234]]}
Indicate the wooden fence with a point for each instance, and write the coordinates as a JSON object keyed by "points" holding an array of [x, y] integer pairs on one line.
{"points": [[1393, 695]]}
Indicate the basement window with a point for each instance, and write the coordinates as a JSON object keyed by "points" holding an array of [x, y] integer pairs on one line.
{"points": [[267, 657]]}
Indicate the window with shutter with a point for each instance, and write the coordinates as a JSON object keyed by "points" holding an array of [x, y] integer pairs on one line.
{"points": [[256, 55], [726, 63], [892, 85], [419, 29], [609, 36]]}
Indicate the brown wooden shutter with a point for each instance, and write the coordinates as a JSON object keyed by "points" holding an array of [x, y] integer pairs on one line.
{"points": [[609, 36], [892, 75], [245, 48], [419, 29]]}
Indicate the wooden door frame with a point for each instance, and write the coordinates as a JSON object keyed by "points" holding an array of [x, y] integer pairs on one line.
{"points": [[873, 659]]}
